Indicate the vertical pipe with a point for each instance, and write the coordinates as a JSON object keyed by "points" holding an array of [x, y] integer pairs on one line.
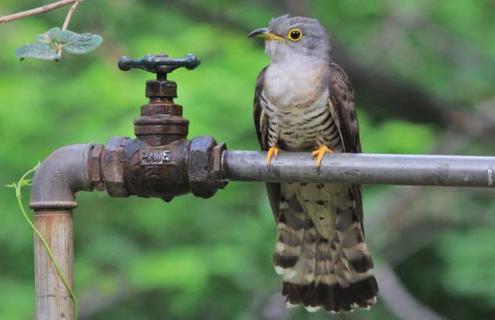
{"points": [[63, 173], [53, 300]]}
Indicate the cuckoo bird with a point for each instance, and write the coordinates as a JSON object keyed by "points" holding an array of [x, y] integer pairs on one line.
{"points": [[304, 102]]}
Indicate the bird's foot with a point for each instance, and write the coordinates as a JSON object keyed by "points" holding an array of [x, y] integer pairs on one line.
{"points": [[319, 153], [273, 151]]}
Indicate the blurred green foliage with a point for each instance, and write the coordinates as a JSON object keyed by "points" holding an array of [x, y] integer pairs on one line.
{"points": [[211, 259]]}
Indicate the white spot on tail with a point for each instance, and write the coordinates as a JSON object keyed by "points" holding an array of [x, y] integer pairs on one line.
{"points": [[290, 305], [279, 270], [312, 309], [290, 274], [372, 300]]}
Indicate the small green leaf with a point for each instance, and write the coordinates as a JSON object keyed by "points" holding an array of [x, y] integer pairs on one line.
{"points": [[56, 35], [69, 41], [36, 50], [53, 32], [43, 38], [81, 43], [26, 182], [65, 36]]}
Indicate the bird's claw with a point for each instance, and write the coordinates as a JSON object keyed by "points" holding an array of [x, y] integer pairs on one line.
{"points": [[273, 151], [319, 153]]}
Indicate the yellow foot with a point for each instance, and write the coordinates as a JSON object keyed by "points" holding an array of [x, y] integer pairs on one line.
{"points": [[319, 153], [271, 152]]}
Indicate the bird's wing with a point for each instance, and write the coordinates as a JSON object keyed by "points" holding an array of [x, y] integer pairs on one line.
{"points": [[260, 120], [261, 125], [343, 110]]}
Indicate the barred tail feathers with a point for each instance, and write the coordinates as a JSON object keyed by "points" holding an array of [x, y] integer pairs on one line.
{"points": [[320, 250]]}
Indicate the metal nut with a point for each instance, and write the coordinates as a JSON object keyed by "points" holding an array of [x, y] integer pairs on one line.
{"points": [[113, 167], [204, 167], [94, 169]]}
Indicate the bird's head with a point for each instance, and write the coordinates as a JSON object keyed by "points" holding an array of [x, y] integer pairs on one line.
{"points": [[292, 37]]}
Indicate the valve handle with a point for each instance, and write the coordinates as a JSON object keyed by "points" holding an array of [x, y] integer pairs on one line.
{"points": [[160, 64]]}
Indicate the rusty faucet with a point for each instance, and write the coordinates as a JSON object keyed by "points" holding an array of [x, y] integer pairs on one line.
{"points": [[159, 162]]}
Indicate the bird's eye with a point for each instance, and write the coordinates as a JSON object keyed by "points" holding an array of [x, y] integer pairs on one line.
{"points": [[295, 34]]}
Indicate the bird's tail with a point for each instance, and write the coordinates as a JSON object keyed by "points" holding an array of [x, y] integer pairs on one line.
{"points": [[329, 270]]}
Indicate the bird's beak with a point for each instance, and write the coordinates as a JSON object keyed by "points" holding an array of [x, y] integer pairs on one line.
{"points": [[265, 34]]}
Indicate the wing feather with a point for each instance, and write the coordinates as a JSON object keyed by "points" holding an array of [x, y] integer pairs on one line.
{"points": [[261, 125], [342, 97], [344, 108]]}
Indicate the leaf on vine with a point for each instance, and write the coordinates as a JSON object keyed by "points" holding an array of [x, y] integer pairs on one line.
{"points": [[69, 41], [43, 38], [82, 43], [36, 50], [59, 36]]}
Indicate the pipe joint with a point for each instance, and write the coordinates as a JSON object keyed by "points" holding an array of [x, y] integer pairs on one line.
{"points": [[133, 167], [60, 176]]}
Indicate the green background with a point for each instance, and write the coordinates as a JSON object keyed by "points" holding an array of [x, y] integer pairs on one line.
{"points": [[423, 72]]}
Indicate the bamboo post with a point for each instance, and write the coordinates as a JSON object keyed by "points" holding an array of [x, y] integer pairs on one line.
{"points": [[53, 301]]}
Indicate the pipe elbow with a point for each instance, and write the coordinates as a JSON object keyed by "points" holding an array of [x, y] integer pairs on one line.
{"points": [[60, 176]]}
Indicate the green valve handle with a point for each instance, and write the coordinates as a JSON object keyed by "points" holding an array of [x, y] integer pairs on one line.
{"points": [[160, 64]]}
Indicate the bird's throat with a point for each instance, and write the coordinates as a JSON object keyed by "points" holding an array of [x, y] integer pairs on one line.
{"points": [[296, 84]]}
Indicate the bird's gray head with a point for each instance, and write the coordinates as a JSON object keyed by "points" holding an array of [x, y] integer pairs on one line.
{"points": [[294, 37]]}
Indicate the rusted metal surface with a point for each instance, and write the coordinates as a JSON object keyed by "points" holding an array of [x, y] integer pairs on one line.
{"points": [[94, 167], [161, 120], [53, 301], [112, 166], [161, 162], [161, 89], [157, 171], [160, 64], [63, 173], [132, 167], [203, 167]]}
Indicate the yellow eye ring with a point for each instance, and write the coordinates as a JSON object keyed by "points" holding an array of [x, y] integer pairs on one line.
{"points": [[295, 34]]}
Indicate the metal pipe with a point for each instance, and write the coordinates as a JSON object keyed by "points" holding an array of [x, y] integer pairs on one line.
{"points": [[62, 174], [428, 170]]}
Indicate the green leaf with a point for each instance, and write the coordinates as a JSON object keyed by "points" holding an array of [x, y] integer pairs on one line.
{"points": [[81, 43], [62, 36], [70, 41], [36, 50], [55, 35], [53, 32], [43, 38]]}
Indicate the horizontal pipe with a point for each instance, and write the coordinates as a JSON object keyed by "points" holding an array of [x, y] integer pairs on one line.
{"points": [[428, 170]]}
